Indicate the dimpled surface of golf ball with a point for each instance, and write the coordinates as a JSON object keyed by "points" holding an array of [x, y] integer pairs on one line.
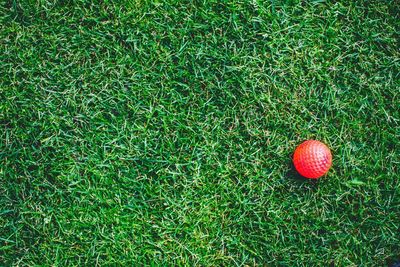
{"points": [[312, 159]]}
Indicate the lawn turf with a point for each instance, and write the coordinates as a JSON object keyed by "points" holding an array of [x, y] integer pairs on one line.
{"points": [[161, 132]]}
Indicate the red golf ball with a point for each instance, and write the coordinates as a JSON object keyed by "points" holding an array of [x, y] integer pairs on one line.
{"points": [[312, 159]]}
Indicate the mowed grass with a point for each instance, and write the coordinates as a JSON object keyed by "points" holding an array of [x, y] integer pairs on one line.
{"points": [[161, 132]]}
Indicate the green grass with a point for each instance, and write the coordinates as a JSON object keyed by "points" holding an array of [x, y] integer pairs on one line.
{"points": [[161, 132]]}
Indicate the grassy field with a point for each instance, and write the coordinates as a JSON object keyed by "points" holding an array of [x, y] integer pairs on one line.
{"points": [[161, 132]]}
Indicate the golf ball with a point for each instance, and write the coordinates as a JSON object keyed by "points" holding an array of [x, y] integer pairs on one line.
{"points": [[312, 159]]}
